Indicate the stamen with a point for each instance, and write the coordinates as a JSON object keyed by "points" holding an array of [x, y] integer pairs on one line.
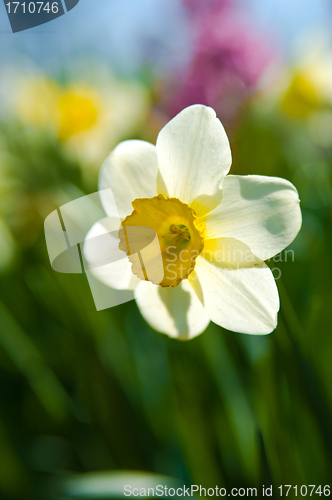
{"points": [[180, 230]]}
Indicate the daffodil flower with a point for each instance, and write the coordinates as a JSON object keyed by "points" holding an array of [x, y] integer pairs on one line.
{"points": [[214, 230]]}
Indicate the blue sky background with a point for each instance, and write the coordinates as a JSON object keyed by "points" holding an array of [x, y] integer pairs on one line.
{"points": [[289, 21], [126, 33], [123, 32]]}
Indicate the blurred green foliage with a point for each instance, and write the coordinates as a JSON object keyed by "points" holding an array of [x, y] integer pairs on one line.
{"points": [[86, 391]]}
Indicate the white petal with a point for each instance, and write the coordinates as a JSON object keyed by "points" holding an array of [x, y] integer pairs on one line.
{"points": [[239, 298], [194, 156], [174, 311], [229, 252], [263, 212], [131, 172], [103, 257]]}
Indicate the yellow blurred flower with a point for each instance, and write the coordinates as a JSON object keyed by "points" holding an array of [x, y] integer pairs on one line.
{"points": [[79, 110], [305, 93], [36, 100], [87, 117], [301, 97], [308, 85]]}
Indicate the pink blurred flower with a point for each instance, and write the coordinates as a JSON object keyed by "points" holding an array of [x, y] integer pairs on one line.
{"points": [[228, 60], [198, 6]]}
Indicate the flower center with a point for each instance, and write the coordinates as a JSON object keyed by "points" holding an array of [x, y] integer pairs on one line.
{"points": [[78, 112], [179, 234]]}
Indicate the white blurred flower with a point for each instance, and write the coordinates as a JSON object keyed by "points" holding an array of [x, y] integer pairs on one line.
{"points": [[304, 89], [214, 230], [91, 120], [88, 114]]}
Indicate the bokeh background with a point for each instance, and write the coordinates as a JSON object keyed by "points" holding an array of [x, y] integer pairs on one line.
{"points": [[101, 392]]}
